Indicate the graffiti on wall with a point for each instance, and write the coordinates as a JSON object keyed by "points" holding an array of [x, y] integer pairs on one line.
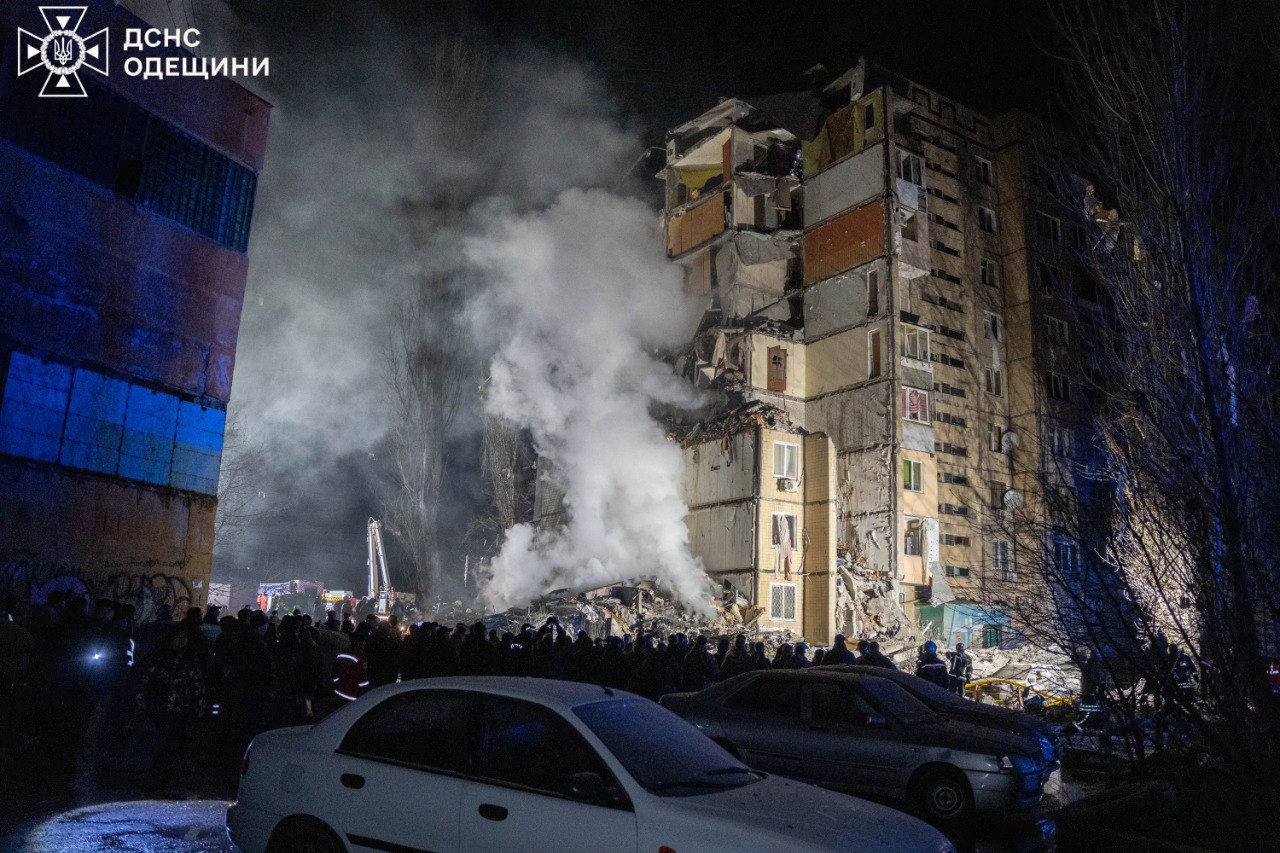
{"points": [[144, 584]]}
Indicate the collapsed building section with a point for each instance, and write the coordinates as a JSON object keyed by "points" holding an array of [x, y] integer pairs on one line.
{"points": [[864, 252]]}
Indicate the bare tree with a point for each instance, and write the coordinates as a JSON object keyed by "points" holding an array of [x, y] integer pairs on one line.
{"points": [[240, 492], [429, 364], [1163, 531], [429, 371]]}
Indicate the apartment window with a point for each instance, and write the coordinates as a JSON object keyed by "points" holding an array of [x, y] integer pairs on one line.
{"points": [[1066, 557], [868, 116], [911, 167], [948, 418], [987, 220], [1049, 228], [915, 343], [985, 175], [873, 354], [1056, 330], [915, 405], [1002, 560], [953, 509], [782, 602], [957, 571], [908, 220], [873, 293], [1051, 278], [784, 527], [1061, 442], [1079, 237], [786, 460], [995, 380], [992, 328], [912, 476], [957, 541], [997, 494], [913, 538], [777, 380], [995, 432], [989, 272], [954, 479], [1058, 387]]}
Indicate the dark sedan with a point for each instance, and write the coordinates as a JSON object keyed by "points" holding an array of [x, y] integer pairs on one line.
{"points": [[864, 733], [1049, 736]]}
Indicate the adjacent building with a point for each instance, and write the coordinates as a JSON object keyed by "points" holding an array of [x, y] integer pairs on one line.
{"points": [[893, 317], [124, 224]]}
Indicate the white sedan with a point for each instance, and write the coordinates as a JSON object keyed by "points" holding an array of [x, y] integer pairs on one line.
{"points": [[510, 764]]}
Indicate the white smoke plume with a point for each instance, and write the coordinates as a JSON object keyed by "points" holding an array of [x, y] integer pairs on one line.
{"points": [[577, 298]]}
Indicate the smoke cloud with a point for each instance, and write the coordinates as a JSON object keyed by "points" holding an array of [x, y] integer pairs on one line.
{"points": [[578, 296]]}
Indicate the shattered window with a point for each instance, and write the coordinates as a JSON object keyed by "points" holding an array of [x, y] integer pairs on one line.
{"points": [[992, 328], [1058, 387], [911, 167], [988, 272], [786, 460], [873, 354], [913, 538], [784, 528], [873, 293], [995, 432], [995, 381], [915, 343], [987, 220], [868, 116], [984, 172], [908, 220], [1057, 331]]}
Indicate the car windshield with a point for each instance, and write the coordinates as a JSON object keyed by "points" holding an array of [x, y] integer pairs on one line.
{"points": [[933, 695], [664, 754], [897, 700]]}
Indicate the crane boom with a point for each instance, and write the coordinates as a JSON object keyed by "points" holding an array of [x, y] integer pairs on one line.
{"points": [[382, 592]]}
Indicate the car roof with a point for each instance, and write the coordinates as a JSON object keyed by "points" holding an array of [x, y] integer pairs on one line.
{"points": [[562, 694]]}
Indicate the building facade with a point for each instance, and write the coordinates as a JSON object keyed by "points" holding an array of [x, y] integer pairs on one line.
{"points": [[124, 225], [891, 273]]}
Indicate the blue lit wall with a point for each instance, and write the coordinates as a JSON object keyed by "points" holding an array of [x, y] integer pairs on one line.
{"points": [[79, 418]]}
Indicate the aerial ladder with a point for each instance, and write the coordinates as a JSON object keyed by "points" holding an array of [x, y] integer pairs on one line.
{"points": [[381, 593]]}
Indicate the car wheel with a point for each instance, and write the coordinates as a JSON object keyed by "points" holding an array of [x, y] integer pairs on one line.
{"points": [[942, 795], [304, 835]]}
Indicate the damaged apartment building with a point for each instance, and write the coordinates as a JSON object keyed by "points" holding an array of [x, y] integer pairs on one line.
{"points": [[892, 327]]}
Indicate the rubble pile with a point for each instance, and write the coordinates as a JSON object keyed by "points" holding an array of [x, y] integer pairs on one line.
{"points": [[1048, 671], [867, 607]]}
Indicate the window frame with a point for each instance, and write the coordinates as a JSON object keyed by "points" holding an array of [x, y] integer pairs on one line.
{"points": [[910, 167], [984, 171], [988, 272], [987, 222], [1051, 223], [908, 538], [795, 601], [912, 472], [916, 333], [1002, 563], [795, 457], [907, 391], [993, 380], [875, 344], [1057, 331], [993, 326], [793, 521]]}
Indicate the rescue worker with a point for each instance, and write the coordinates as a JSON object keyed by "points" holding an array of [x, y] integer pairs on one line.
{"points": [[961, 669], [875, 657], [838, 653], [351, 668], [932, 668]]}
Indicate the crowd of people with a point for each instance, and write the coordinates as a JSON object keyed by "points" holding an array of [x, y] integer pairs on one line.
{"points": [[251, 670]]}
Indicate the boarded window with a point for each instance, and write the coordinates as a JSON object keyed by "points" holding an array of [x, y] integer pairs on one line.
{"points": [[777, 369]]}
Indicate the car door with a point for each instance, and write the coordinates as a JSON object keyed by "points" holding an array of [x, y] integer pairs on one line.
{"points": [[525, 793], [396, 780], [852, 746], [763, 721]]}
